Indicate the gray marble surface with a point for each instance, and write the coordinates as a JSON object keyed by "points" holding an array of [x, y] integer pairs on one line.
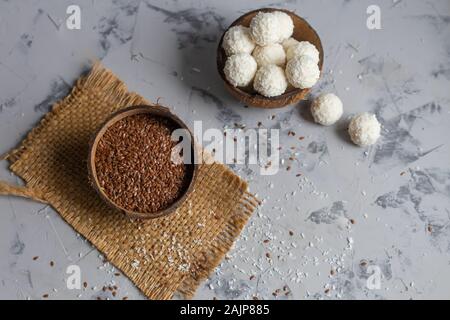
{"points": [[396, 193]]}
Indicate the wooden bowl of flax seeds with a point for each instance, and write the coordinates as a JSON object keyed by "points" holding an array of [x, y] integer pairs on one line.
{"points": [[131, 162]]}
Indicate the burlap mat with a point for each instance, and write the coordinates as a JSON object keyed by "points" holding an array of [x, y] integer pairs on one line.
{"points": [[162, 256]]}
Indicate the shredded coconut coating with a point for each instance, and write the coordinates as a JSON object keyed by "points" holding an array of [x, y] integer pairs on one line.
{"points": [[270, 54], [238, 40], [286, 25], [240, 69], [270, 81], [364, 129], [326, 109], [303, 48], [265, 28], [302, 72], [289, 43]]}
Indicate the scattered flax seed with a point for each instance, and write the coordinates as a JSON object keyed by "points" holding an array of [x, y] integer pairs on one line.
{"points": [[266, 241], [45, 296], [402, 173], [291, 133], [363, 263], [268, 255], [85, 284], [134, 164], [125, 298], [332, 272], [301, 138], [114, 293], [430, 228], [52, 264], [259, 123], [288, 168], [298, 175], [291, 233], [352, 221], [327, 291], [117, 274], [35, 258], [252, 278]]}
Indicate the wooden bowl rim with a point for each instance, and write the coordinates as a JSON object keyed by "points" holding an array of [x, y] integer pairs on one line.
{"points": [[156, 110], [296, 91]]}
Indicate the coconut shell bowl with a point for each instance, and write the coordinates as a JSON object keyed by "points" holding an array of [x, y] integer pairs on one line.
{"points": [[302, 32], [156, 111]]}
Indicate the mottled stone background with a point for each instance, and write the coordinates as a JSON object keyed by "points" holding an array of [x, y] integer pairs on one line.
{"points": [[317, 235]]}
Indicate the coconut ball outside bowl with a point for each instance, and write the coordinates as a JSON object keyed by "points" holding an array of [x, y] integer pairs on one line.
{"points": [[248, 95]]}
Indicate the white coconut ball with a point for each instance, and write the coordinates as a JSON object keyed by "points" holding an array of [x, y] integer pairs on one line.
{"points": [[265, 28], [270, 81], [240, 69], [289, 43], [286, 25], [303, 48], [302, 72], [238, 40], [270, 54], [326, 109], [364, 129]]}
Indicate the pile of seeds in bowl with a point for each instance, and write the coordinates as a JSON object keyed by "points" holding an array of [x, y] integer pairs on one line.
{"points": [[266, 56], [134, 167]]}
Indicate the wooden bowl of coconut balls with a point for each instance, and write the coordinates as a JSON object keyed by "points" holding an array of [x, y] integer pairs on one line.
{"points": [[270, 58]]}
